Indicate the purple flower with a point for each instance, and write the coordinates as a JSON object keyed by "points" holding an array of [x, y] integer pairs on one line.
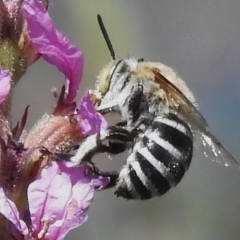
{"points": [[9, 210], [58, 200], [64, 188], [41, 197], [92, 121], [53, 45], [5, 85]]}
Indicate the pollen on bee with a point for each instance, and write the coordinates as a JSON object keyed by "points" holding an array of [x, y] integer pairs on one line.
{"points": [[96, 96]]}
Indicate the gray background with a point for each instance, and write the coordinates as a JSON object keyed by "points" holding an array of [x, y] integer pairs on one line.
{"points": [[200, 40]]}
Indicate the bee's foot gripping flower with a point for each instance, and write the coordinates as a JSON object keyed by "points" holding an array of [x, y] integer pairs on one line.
{"points": [[42, 198]]}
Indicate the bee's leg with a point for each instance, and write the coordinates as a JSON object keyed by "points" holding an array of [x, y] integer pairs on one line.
{"points": [[112, 175], [62, 156], [121, 124], [138, 104], [108, 107], [116, 137], [75, 147], [93, 165], [135, 101]]}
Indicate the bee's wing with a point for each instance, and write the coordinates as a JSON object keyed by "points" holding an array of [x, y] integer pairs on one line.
{"points": [[214, 150], [182, 106]]}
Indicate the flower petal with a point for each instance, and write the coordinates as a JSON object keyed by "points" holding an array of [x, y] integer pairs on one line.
{"points": [[92, 121], [53, 45], [9, 210], [5, 85], [48, 195], [61, 196]]}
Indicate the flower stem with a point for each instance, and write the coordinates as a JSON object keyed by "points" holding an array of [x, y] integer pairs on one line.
{"points": [[12, 59], [5, 229]]}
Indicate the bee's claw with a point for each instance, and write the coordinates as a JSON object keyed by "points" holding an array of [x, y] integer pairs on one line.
{"points": [[63, 156]]}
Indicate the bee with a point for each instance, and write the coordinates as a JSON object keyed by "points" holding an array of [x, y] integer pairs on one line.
{"points": [[160, 122]]}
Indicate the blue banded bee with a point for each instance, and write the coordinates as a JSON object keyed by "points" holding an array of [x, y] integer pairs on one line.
{"points": [[159, 127]]}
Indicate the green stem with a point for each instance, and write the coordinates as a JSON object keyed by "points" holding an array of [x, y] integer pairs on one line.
{"points": [[11, 58]]}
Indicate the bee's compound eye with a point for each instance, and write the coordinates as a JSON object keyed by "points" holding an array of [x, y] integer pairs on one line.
{"points": [[105, 77]]}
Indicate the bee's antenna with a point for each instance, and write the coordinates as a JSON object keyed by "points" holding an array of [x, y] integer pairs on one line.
{"points": [[106, 37]]}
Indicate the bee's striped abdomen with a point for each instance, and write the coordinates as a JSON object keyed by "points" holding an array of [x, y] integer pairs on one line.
{"points": [[158, 161]]}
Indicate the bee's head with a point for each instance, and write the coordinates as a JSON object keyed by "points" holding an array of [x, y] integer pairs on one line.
{"points": [[116, 70], [114, 76], [114, 86]]}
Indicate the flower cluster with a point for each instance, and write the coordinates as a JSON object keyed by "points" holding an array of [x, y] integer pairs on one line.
{"points": [[41, 197]]}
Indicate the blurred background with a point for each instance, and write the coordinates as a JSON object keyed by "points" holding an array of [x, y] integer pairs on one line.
{"points": [[201, 41]]}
